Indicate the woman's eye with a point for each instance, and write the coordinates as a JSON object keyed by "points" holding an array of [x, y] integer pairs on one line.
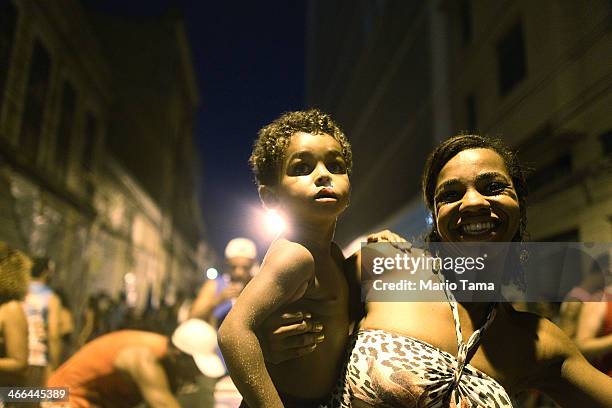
{"points": [[448, 196], [336, 167], [496, 188]]}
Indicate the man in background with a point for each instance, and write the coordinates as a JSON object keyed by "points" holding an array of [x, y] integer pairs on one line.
{"points": [[125, 368], [213, 303], [216, 297], [42, 308]]}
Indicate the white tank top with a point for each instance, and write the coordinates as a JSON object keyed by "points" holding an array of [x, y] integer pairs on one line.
{"points": [[36, 307]]}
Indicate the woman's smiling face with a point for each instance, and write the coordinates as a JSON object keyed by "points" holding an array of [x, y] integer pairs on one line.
{"points": [[475, 199]]}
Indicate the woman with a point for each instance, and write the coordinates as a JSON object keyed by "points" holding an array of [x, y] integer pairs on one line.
{"points": [[441, 354], [14, 275]]}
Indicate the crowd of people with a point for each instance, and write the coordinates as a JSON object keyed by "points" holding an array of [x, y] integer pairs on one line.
{"points": [[161, 357], [296, 332]]}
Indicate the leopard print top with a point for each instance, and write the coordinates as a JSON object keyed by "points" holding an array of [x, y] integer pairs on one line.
{"points": [[388, 370]]}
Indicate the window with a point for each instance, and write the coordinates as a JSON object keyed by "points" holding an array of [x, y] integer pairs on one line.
{"points": [[465, 14], [511, 59], [91, 130], [87, 163], [472, 119], [546, 175], [36, 95], [606, 142], [8, 22], [66, 124]]}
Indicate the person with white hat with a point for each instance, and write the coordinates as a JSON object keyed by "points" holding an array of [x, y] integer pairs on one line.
{"points": [[127, 367], [216, 297], [214, 301]]}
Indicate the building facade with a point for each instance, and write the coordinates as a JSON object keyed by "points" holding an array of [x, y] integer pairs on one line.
{"points": [[84, 178], [400, 76], [539, 75], [372, 64]]}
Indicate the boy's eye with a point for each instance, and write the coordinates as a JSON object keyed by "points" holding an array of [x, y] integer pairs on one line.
{"points": [[300, 169], [336, 167]]}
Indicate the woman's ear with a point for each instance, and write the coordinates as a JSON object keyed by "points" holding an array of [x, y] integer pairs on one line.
{"points": [[268, 197]]}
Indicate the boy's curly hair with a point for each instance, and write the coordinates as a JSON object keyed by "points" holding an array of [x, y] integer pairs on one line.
{"points": [[273, 140], [14, 273]]}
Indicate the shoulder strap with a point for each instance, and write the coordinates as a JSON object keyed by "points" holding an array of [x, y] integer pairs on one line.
{"points": [[464, 348]]}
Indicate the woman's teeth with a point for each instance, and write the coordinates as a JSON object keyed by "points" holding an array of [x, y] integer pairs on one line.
{"points": [[477, 228]]}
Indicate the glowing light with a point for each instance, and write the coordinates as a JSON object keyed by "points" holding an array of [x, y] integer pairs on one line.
{"points": [[212, 273], [130, 289], [275, 224], [129, 278]]}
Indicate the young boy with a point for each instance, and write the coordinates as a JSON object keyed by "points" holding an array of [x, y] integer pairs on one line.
{"points": [[301, 162]]}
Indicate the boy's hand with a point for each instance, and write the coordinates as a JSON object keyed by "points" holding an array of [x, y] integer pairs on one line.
{"points": [[289, 336]]}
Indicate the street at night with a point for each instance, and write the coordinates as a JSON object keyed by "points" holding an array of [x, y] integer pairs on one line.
{"points": [[317, 203]]}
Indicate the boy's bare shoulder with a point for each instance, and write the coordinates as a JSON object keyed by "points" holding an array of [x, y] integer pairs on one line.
{"points": [[288, 258]]}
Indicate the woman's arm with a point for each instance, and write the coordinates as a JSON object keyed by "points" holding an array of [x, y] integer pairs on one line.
{"points": [[581, 385], [283, 277], [570, 380], [589, 324], [15, 333]]}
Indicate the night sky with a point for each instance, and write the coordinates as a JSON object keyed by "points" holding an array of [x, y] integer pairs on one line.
{"points": [[249, 59]]}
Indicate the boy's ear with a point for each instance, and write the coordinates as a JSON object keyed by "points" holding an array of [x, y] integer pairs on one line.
{"points": [[268, 197]]}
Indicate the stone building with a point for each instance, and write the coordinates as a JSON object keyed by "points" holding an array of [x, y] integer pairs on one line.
{"points": [[539, 74], [97, 164], [402, 75], [374, 66]]}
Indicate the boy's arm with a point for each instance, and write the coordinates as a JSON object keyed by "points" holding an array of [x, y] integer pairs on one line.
{"points": [[283, 277], [291, 335]]}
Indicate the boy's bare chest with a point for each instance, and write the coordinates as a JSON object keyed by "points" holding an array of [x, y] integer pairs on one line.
{"points": [[327, 291]]}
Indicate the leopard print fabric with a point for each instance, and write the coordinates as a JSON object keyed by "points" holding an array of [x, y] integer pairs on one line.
{"points": [[388, 370]]}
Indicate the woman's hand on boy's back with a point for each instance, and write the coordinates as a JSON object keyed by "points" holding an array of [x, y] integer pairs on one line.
{"points": [[394, 239], [286, 336]]}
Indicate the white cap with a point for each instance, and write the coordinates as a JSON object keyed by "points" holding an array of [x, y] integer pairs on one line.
{"points": [[198, 339], [242, 247]]}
